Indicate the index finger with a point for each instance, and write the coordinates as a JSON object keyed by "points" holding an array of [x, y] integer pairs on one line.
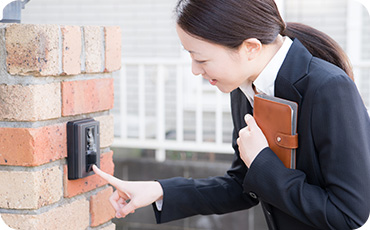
{"points": [[107, 177]]}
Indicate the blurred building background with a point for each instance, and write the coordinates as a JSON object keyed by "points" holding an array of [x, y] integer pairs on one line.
{"points": [[170, 123]]}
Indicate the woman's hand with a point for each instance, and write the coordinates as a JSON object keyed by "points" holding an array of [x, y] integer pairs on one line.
{"points": [[251, 141], [130, 196]]}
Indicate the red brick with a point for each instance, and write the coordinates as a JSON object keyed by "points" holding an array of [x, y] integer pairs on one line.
{"points": [[112, 35], [32, 146], [101, 209], [71, 51], [75, 187], [79, 97]]}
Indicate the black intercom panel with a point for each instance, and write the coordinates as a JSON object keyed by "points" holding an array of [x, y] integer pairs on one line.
{"points": [[83, 147]]}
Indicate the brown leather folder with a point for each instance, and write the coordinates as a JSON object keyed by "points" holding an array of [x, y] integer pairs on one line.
{"points": [[277, 119]]}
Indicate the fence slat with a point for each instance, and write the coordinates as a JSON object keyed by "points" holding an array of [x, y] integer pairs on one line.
{"points": [[123, 102], [179, 103], [141, 104], [199, 111], [160, 152], [219, 117]]}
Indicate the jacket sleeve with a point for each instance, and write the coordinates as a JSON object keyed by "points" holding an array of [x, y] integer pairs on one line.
{"points": [[215, 195], [185, 197], [340, 129]]}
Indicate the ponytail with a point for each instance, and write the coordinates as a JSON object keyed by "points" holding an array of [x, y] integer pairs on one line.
{"points": [[319, 45]]}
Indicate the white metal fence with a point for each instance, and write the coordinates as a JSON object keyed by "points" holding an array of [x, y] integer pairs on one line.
{"points": [[161, 106]]}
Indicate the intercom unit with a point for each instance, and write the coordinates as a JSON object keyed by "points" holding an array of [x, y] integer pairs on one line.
{"points": [[83, 147]]}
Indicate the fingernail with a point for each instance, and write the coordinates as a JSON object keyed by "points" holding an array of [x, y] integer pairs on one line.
{"points": [[118, 215]]}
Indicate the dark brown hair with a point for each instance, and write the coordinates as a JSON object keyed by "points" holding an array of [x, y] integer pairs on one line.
{"points": [[230, 22], [320, 45]]}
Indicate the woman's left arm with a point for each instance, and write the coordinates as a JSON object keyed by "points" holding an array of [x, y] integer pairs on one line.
{"points": [[341, 137]]}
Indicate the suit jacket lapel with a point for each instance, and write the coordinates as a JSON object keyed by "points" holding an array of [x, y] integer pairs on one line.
{"points": [[294, 68]]}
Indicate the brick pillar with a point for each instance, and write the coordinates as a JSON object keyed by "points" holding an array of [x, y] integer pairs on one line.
{"points": [[50, 75]]}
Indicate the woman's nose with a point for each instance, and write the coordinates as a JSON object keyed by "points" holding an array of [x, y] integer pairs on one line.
{"points": [[196, 68]]}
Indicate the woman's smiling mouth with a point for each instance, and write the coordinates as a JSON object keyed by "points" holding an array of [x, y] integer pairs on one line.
{"points": [[212, 81]]}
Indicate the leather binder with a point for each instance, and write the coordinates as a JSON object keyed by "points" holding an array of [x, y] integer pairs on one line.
{"points": [[277, 119]]}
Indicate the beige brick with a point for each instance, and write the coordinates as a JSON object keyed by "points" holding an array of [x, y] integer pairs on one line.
{"points": [[112, 35], [93, 43], [32, 49], [71, 50], [30, 103], [68, 216], [30, 190], [106, 130]]}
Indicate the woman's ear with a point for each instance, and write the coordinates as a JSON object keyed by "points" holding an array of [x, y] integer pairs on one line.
{"points": [[252, 47]]}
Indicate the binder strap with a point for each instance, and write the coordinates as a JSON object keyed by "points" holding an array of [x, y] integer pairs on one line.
{"points": [[286, 141]]}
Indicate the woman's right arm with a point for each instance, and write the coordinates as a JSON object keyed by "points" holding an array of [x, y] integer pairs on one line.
{"points": [[130, 196]]}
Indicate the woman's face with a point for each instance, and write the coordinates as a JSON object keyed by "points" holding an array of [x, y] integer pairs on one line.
{"points": [[225, 68]]}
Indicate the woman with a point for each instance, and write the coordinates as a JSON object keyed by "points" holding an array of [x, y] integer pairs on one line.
{"points": [[244, 47]]}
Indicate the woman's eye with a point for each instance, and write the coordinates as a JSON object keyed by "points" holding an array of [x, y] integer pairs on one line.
{"points": [[199, 62]]}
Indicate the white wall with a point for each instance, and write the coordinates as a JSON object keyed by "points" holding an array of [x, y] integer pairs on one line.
{"points": [[147, 25]]}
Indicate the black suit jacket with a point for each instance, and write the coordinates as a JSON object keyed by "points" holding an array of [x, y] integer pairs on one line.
{"points": [[330, 189]]}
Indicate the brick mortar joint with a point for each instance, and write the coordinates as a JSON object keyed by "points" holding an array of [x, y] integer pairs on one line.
{"points": [[60, 120], [60, 51], [83, 55], [42, 80], [103, 47], [60, 163]]}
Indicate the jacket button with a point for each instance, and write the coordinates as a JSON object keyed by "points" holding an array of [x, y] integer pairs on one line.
{"points": [[253, 195]]}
